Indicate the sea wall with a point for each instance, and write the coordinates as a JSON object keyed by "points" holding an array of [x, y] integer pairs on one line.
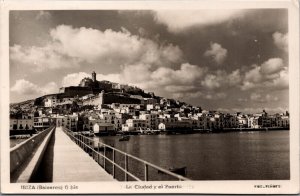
{"points": [[23, 152]]}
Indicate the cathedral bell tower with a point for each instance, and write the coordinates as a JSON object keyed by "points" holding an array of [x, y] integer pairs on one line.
{"points": [[94, 76]]}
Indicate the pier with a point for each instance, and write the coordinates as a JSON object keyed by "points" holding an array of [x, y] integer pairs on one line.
{"points": [[60, 155], [72, 164], [61, 161]]}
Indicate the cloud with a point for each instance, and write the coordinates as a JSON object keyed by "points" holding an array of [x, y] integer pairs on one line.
{"points": [[187, 74], [217, 52], [179, 20], [73, 47], [42, 58], [281, 40], [272, 66], [221, 78], [234, 78], [120, 48], [272, 75], [211, 81], [24, 87]]}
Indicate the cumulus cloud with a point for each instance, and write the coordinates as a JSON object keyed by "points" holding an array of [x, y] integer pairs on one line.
{"points": [[211, 81], [179, 20], [281, 40], [117, 47], [221, 79], [42, 58], [271, 74], [24, 87], [272, 66], [70, 48], [217, 52], [234, 78]]}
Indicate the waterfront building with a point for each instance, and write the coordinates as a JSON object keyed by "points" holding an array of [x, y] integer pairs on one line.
{"points": [[58, 120], [255, 122], [70, 122], [151, 120], [201, 120], [103, 128], [41, 123], [99, 123], [242, 121], [284, 121], [230, 121], [134, 125], [175, 125], [21, 124]]}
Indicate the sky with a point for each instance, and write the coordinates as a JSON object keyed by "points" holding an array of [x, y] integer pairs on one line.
{"points": [[226, 60]]}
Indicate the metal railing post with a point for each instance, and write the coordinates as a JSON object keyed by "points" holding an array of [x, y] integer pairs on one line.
{"points": [[83, 144], [80, 138], [113, 160], [98, 155], [104, 155], [126, 167], [146, 171], [93, 149]]}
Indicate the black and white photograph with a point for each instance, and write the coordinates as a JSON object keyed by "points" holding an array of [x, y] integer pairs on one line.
{"points": [[160, 96]]}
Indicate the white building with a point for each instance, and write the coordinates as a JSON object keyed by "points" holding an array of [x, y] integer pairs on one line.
{"points": [[21, 124], [134, 125], [41, 123], [151, 120]]}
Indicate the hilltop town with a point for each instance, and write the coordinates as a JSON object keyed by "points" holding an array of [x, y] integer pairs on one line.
{"points": [[107, 108]]}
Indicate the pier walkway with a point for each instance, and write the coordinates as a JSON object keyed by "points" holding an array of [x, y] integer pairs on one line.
{"points": [[72, 164], [59, 155]]}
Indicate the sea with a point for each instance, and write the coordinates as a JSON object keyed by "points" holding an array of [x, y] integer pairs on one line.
{"points": [[259, 155]]}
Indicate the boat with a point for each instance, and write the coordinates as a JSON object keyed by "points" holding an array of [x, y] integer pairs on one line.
{"points": [[124, 138], [178, 170]]}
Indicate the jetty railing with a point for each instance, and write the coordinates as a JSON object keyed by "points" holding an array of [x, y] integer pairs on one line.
{"points": [[87, 144]]}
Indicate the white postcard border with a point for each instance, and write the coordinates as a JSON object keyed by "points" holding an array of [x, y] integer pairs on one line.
{"points": [[226, 187]]}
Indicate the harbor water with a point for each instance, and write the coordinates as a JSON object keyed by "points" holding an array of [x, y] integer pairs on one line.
{"points": [[261, 155]]}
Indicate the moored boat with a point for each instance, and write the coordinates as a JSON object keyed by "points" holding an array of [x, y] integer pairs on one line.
{"points": [[124, 138], [179, 170]]}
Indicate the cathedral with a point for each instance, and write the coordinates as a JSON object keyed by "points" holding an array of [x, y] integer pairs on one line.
{"points": [[94, 84]]}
